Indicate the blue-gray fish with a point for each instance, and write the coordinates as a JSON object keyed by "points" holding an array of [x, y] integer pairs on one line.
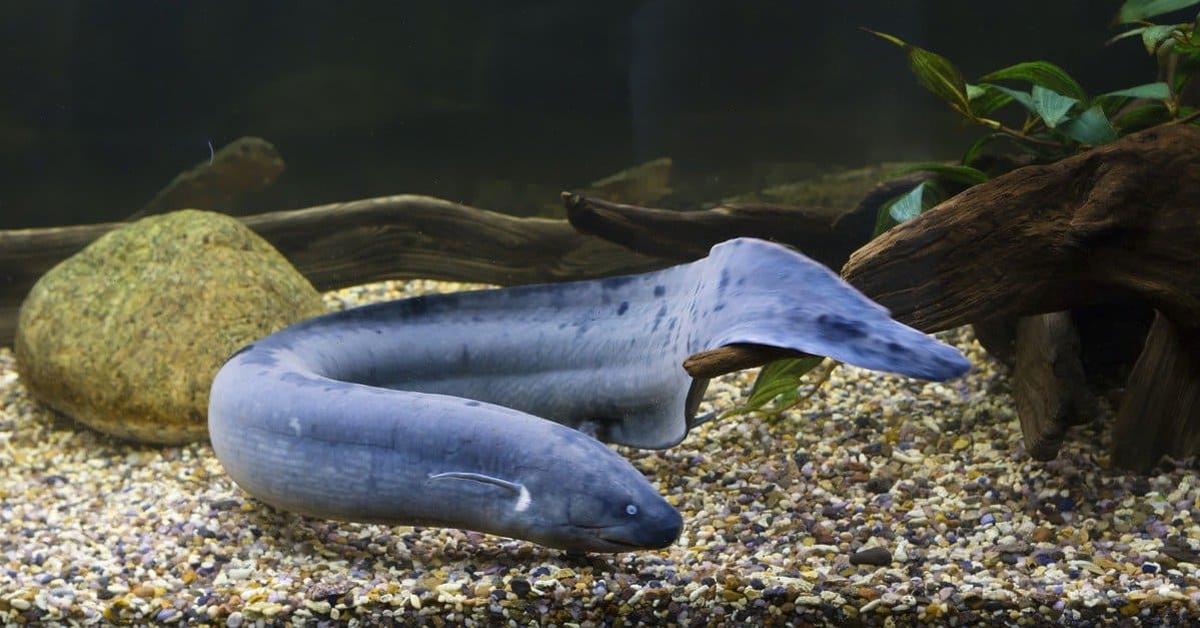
{"points": [[458, 410]]}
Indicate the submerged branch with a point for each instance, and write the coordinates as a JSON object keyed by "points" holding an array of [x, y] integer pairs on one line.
{"points": [[344, 244]]}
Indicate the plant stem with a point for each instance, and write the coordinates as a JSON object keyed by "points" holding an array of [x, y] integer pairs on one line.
{"points": [[1027, 138], [1191, 117]]}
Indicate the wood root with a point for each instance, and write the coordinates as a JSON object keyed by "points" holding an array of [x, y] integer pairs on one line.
{"points": [[344, 244], [684, 236], [1160, 412], [1115, 224], [736, 357], [1049, 385]]}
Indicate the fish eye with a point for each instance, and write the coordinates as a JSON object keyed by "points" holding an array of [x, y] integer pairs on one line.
{"points": [[631, 510]]}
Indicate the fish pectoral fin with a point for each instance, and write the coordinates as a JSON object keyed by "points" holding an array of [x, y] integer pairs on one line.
{"points": [[478, 477], [517, 490]]}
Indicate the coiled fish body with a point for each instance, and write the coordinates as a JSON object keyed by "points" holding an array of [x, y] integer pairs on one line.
{"points": [[458, 410]]}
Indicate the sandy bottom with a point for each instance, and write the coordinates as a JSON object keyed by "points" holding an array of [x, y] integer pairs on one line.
{"points": [[930, 481]]}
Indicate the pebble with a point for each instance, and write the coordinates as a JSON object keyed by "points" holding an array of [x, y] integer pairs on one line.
{"points": [[879, 484], [520, 587], [99, 531], [872, 556]]}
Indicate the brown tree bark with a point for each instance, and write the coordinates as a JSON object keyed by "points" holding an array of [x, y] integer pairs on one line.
{"points": [[730, 358], [1115, 221], [1049, 385], [1119, 222], [1160, 413], [827, 237]]}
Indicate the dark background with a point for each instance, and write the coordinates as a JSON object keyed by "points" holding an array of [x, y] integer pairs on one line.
{"points": [[103, 102]]}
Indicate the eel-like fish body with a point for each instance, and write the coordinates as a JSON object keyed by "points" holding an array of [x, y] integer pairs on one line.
{"points": [[458, 410]]}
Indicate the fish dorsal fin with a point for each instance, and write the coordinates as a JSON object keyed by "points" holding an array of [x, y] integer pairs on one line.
{"points": [[517, 490]]}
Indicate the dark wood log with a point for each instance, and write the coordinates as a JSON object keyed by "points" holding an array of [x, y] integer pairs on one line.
{"points": [[395, 237], [220, 183], [730, 358], [1114, 221], [1160, 412], [1111, 336], [1117, 223], [408, 237], [998, 336], [1049, 385], [825, 236]]}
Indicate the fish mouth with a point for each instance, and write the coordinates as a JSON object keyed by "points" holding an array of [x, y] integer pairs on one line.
{"points": [[620, 543], [605, 536], [660, 535], [613, 539]]}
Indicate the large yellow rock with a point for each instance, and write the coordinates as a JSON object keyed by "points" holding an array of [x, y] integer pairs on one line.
{"points": [[127, 335]]}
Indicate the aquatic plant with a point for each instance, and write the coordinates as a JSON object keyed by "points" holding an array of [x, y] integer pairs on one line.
{"points": [[1060, 120]]}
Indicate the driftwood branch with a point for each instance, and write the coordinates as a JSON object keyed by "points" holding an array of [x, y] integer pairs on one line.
{"points": [[730, 358], [828, 237], [1160, 412], [1049, 385], [395, 237], [1114, 224], [1115, 221]]}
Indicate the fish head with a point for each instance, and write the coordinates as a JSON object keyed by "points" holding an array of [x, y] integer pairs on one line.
{"points": [[597, 502]]}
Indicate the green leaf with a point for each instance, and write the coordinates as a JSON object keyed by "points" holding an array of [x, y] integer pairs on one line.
{"points": [[1041, 73], [977, 147], [986, 98], [1090, 127], [964, 175], [889, 38], [910, 205], [1024, 98], [1051, 106], [1135, 10], [884, 220], [1154, 91], [781, 377], [1153, 37], [1112, 102], [940, 76], [1133, 32], [1142, 116], [935, 72]]}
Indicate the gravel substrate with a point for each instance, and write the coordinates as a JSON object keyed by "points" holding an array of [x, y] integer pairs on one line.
{"points": [[884, 501]]}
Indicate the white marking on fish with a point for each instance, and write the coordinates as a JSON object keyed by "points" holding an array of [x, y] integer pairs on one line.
{"points": [[523, 500], [294, 423]]}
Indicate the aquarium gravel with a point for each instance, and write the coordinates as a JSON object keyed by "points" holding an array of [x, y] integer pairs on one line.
{"points": [[882, 501]]}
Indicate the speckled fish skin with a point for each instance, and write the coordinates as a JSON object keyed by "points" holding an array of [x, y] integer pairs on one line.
{"points": [[426, 411]]}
